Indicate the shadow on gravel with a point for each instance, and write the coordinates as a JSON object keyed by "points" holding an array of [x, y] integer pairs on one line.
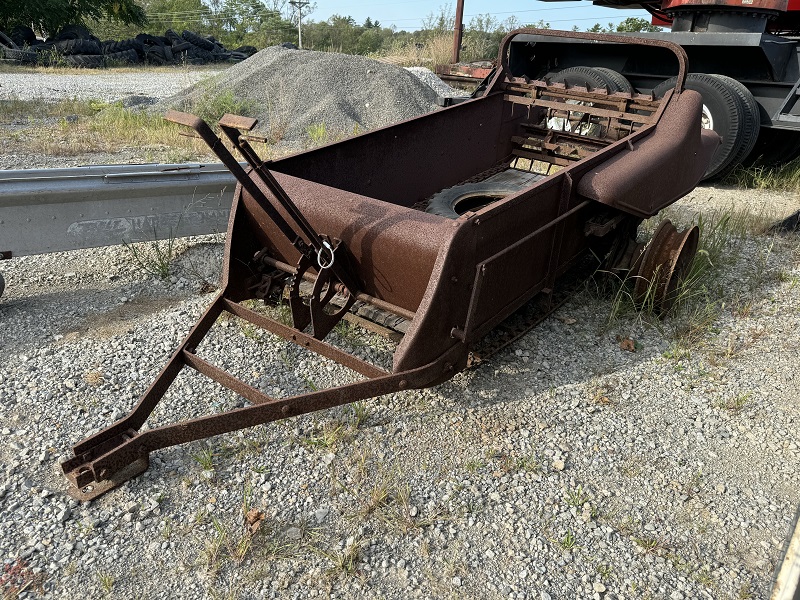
{"points": [[72, 314]]}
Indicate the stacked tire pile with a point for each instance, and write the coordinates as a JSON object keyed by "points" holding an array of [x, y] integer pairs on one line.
{"points": [[75, 46]]}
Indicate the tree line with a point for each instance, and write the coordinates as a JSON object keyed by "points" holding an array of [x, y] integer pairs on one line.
{"points": [[262, 23]]}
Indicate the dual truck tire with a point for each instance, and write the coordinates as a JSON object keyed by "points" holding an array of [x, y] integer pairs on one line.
{"points": [[728, 108]]}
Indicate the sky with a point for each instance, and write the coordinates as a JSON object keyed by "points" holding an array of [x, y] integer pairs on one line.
{"points": [[409, 14]]}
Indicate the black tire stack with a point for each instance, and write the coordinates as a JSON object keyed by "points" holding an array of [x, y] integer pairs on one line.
{"points": [[10, 50], [75, 46]]}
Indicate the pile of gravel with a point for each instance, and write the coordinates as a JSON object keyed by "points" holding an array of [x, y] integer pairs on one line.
{"points": [[293, 92], [430, 79]]}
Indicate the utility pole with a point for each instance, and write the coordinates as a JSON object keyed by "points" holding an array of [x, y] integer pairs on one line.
{"points": [[299, 4], [458, 30]]}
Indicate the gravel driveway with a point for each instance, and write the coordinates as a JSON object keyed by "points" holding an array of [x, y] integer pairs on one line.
{"points": [[564, 467], [105, 86]]}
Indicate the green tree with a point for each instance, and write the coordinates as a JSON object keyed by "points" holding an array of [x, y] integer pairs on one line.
{"points": [[257, 23], [48, 16], [629, 25], [634, 24], [542, 24], [437, 24], [177, 15], [597, 28]]}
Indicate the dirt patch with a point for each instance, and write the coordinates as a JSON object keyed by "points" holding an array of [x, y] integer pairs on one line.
{"points": [[121, 319]]}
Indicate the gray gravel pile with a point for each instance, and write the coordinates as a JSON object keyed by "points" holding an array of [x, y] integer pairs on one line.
{"points": [[296, 92], [565, 467], [430, 79]]}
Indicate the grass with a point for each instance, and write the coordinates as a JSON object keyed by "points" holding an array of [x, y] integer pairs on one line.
{"points": [[14, 109], [317, 133], [605, 571], [569, 542], [154, 257], [527, 463], [205, 458], [93, 378], [350, 333], [344, 561], [229, 545], [474, 465], [371, 492], [736, 403], [434, 51], [325, 436], [576, 497], [278, 113], [706, 291], [784, 178], [745, 592], [703, 577], [650, 545], [330, 433], [214, 102], [87, 126], [106, 581]]}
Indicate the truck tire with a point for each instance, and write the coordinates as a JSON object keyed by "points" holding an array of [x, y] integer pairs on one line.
{"points": [[173, 37], [587, 77], [77, 46], [74, 32], [198, 41], [23, 35], [751, 124], [88, 61], [620, 82], [590, 78], [126, 57], [724, 111], [112, 47], [7, 42], [455, 201]]}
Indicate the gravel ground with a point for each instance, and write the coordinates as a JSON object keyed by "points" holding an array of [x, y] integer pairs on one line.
{"points": [[565, 467], [105, 86]]}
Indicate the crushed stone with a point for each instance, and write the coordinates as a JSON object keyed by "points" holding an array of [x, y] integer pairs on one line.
{"points": [[298, 94], [430, 79]]}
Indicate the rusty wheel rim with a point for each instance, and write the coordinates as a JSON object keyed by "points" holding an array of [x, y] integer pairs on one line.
{"points": [[663, 265]]}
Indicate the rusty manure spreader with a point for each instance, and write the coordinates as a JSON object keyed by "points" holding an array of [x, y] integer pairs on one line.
{"points": [[449, 223]]}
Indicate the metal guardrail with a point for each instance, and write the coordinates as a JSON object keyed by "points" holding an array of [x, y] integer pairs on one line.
{"points": [[787, 577], [51, 210]]}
